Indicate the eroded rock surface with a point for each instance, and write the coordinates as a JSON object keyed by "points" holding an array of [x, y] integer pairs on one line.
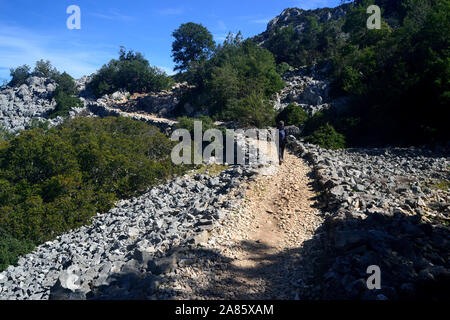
{"points": [[381, 209]]}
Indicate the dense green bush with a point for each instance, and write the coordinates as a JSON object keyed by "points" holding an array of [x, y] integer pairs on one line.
{"points": [[282, 68], [318, 120], [397, 77], [131, 72], [64, 103], [64, 96], [45, 68], [236, 83], [327, 137], [19, 75], [55, 180], [400, 75], [293, 115], [4, 135], [36, 123], [251, 110], [316, 42], [188, 123], [66, 84], [11, 248]]}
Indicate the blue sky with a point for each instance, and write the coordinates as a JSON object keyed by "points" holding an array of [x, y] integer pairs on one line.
{"points": [[31, 30]]}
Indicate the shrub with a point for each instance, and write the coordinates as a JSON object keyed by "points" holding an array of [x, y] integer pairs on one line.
{"points": [[318, 120], [11, 249], [236, 83], [327, 137], [131, 72], [5, 135], [56, 180], [188, 123], [37, 123], [293, 115], [64, 96], [282, 68], [19, 75], [64, 103], [252, 110], [45, 69], [66, 84]]}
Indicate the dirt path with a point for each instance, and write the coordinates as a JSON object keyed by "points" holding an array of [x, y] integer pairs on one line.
{"points": [[258, 252]]}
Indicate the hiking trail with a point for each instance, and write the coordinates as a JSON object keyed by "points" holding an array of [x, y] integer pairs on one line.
{"points": [[255, 254]]}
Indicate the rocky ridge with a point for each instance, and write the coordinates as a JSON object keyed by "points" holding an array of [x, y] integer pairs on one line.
{"points": [[32, 100], [161, 104], [126, 248], [298, 19], [304, 88], [380, 210], [125, 253]]}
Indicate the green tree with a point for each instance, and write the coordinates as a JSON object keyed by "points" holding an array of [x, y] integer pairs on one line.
{"points": [[66, 84], [131, 72], [293, 115], [327, 137], [19, 75], [45, 69], [65, 96], [251, 110], [64, 103], [54, 180], [193, 43], [236, 83]]}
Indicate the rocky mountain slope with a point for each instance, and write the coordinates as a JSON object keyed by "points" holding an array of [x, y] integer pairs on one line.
{"points": [[386, 207], [382, 207], [18, 105], [134, 237], [34, 100], [298, 18], [304, 88]]}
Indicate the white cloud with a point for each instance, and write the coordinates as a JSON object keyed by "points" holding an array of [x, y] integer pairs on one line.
{"points": [[112, 15], [20, 46]]}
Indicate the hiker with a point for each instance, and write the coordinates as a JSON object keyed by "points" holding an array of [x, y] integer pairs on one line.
{"points": [[282, 140]]}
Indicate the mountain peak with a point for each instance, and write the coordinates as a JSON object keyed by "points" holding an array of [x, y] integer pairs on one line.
{"points": [[298, 16]]}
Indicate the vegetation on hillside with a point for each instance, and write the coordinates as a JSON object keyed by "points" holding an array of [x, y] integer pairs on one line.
{"points": [[131, 72], [19, 75], [193, 43], [55, 180], [397, 77], [65, 93], [235, 83], [313, 44], [293, 115]]}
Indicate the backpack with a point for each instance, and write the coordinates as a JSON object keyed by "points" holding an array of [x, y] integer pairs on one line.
{"points": [[282, 136]]}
